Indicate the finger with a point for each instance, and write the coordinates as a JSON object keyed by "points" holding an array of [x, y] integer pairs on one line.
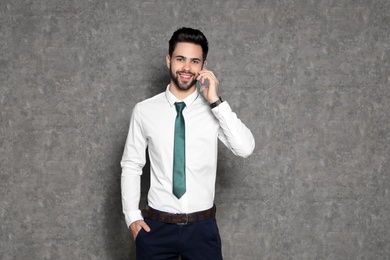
{"points": [[208, 76], [205, 71], [137, 226], [145, 226]]}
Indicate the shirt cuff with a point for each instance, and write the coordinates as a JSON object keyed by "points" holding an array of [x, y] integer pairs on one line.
{"points": [[221, 109], [132, 216]]}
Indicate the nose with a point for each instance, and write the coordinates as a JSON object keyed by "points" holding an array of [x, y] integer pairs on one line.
{"points": [[186, 66]]}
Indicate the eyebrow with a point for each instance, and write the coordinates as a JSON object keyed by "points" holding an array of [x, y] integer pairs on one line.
{"points": [[192, 59]]}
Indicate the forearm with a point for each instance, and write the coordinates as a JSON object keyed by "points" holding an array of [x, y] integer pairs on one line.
{"points": [[131, 193], [234, 134], [132, 163]]}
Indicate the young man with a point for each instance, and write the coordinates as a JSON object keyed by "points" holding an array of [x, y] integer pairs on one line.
{"points": [[181, 128]]}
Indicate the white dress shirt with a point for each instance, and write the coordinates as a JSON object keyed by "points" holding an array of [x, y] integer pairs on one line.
{"points": [[152, 126]]}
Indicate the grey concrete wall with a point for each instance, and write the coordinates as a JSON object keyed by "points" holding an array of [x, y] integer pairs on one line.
{"points": [[310, 78]]}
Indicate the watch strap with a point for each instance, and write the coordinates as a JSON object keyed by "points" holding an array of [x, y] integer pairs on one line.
{"points": [[216, 103]]}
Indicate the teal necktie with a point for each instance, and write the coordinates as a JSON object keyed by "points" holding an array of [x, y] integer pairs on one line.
{"points": [[179, 153]]}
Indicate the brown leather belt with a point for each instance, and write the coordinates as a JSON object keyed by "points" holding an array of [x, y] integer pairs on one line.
{"points": [[179, 219]]}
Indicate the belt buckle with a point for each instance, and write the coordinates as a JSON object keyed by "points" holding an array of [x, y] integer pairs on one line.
{"points": [[184, 223]]}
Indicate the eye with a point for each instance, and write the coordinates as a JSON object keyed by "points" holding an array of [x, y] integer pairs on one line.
{"points": [[179, 59], [195, 62]]}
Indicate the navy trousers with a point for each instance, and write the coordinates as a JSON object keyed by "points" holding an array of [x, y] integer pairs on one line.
{"points": [[197, 240]]}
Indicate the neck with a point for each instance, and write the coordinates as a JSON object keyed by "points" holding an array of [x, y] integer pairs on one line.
{"points": [[180, 93]]}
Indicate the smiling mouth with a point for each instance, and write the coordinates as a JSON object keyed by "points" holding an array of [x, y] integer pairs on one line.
{"points": [[185, 76]]}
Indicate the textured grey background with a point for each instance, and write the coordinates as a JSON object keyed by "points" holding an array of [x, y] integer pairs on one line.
{"points": [[310, 79]]}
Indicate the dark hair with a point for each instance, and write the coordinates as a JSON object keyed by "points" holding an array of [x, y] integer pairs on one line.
{"points": [[189, 35]]}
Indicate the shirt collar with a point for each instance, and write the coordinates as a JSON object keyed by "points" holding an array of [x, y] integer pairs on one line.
{"points": [[188, 100]]}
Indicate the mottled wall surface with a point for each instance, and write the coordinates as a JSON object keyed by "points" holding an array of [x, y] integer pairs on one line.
{"points": [[311, 79]]}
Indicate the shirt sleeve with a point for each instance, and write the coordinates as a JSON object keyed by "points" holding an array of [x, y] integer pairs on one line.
{"points": [[132, 163], [233, 133]]}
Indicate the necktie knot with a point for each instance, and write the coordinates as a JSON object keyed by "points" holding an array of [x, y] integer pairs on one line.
{"points": [[180, 106]]}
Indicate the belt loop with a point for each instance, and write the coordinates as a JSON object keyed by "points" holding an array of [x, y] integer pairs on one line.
{"points": [[157, 215]]}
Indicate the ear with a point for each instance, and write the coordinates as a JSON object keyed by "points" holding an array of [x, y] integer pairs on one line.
{"points": [[168, 61], [205, 63]]}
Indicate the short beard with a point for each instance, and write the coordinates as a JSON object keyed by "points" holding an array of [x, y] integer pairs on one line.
{"points": [[188, 85]]}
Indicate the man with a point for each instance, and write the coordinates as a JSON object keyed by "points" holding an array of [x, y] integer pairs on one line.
{"points": [[181, 128]]}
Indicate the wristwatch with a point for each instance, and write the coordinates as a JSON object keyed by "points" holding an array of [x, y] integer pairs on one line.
{"points": [[216, 103]]}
